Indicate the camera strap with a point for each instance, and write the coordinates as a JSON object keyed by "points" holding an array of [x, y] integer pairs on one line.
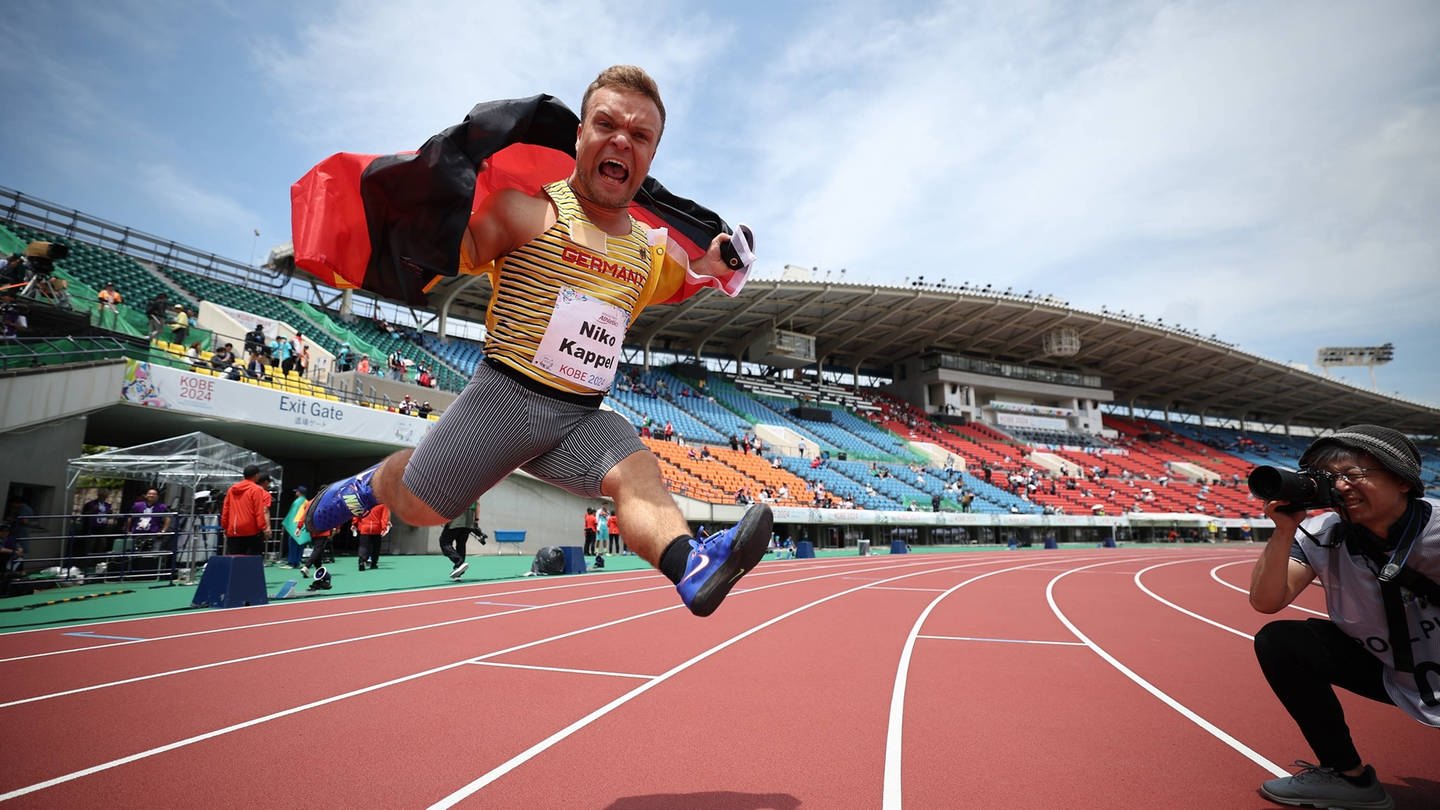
{"points": [[1394, 576]]}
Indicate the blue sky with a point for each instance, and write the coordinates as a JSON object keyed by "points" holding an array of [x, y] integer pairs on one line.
{"points": [[1265, 171]]}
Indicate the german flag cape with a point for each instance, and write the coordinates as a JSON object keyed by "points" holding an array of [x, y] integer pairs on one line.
{"points": [[393, 224]]}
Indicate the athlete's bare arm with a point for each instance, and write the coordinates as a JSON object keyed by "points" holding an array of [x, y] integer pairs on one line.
{"points": [[504, 221]]}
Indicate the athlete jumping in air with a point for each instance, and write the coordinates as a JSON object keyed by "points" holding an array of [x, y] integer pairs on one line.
{"points": [[570, 270]]}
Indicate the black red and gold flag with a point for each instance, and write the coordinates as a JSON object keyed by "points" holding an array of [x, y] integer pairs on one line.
{"points": [[393, 224]]}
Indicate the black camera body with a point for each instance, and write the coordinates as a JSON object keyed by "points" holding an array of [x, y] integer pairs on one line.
{"points": [[40, 257], [1303, 489]]}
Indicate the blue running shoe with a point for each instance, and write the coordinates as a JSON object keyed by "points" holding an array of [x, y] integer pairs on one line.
{"points": [[717, 562], [337, 503]]}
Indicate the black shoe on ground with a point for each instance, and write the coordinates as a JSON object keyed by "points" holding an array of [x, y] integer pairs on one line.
{"points": [[1314, 786]]}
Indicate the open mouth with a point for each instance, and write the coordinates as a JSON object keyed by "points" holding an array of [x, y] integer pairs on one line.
{"points": [[614, 170]]}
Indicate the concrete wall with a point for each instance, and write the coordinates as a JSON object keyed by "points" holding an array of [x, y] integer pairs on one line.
{"points": [[40, 396], [34, 461]]}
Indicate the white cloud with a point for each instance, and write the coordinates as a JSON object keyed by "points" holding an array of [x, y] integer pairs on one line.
{"points": [[370, 75], [1228, 165], [174, 193]]}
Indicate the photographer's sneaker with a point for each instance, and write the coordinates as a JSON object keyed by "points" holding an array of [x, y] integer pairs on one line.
{"points": [[1314, 786], [717, 562], [459, 570], [337, 503]]}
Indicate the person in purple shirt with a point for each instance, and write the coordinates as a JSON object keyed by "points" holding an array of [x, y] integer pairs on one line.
{"points": [[148, 519]]}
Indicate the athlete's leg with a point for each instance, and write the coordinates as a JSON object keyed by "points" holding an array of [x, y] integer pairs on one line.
{"points": [[646, 511], [440, 478], [703, 571], [390, 489]]}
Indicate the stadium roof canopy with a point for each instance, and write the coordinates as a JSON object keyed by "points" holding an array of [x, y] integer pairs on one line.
{"points": [[1145, 363]]}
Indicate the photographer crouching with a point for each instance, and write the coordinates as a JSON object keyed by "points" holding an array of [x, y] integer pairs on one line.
{"points": [[1376, 552]]}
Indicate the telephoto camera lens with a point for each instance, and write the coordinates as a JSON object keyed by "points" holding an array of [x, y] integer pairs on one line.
{"points": [[1302, 490]]}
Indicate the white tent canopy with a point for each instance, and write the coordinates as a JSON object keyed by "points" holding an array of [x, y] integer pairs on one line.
{"points": [[192, 471], [196, 461]]}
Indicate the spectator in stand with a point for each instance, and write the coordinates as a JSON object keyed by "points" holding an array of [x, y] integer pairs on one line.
{"points": [[302, 362], [192, 354], [424, 379], [369, 528], [255, 340], [363, 365], [279, 350], [396, 364], [345, 358], [424, 410], [290, 355], [223, 358], [109, 308], [155, 311], [669, 431], [245, 514], [180, 324], [255, 367]]}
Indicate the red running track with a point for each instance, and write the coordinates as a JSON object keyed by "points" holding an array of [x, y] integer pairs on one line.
{"points": [[1095, 678]]}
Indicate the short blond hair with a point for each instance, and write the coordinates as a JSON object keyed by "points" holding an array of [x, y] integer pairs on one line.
{"points": [[625, 77]]}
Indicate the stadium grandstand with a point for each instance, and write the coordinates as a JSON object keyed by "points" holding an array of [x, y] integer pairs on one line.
{"points": [[921, 413]]}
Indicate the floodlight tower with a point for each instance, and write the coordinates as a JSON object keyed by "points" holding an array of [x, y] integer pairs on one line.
{"points": [[1369, 356]]}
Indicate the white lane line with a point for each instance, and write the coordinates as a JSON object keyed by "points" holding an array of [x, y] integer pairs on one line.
{"points": [[894, 731], [317, 646], [104, 766], [547, 743], [351, 639], [1005, 640], [1184, 711], [298, 619], [894, 588], [1166, 602], [562, 669], [571, 585], [1215, 575], [113, 638]]}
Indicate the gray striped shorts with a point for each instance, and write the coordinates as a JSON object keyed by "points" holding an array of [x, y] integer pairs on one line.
{"points": [[503, 421]]}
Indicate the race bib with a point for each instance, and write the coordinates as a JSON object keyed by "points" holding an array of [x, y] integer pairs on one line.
{"points": [[582, 341]]}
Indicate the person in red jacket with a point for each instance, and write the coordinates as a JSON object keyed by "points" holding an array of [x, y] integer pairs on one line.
{"points": [[245, 515], [369, 529]]}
